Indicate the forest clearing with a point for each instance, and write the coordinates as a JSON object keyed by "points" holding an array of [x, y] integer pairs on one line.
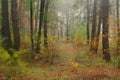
{"points": [[59, 40]]}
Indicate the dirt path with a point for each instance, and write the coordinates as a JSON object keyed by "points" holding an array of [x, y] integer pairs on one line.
{"points": [[67, 51], [65, 72], [62, 70]]}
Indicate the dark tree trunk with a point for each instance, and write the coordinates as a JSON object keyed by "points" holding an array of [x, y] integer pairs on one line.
{"points": [[93, 33], [15, 23], [105, 28], [98, 31], [45, 23], [58, 32], [98, 35], [118, 29], [88, 22], [31, 25], [7, 43], [67, 26], [61, 32], [36, 17], [20, 13], [42, 5], [54, 30]]}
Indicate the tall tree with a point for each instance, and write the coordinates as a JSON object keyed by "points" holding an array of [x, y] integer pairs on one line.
{"points": [[42, 5], [88, 21], [36, 16], [7, 43], [98, 31], [45, 23], [105, 30], [67, 25], [118, 29], [93, 33], [15, 23], [20, 7], [31, 24]]}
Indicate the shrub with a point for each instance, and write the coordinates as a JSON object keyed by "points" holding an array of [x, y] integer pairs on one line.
{"points": [[48, 54]]}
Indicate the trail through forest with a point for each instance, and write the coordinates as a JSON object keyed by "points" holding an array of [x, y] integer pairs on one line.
{"points": [[60, 40], [63, 70]]}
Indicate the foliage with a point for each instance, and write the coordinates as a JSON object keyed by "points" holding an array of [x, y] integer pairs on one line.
{"points": [[64, 56], [48, 53], [4, 56], [16, 65], [78, 37], [85, 59], [74, 65]]}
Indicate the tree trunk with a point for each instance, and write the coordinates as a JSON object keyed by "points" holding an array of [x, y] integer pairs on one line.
{"points": [[20, 13], [98, 35], [15, 23], [45, 23], [42, 5], [118, 29], [93, 33], [7, 43], [36, 17], [31, 25], [105, 28], [61, 33], [67, 25], [88, 22], [98, 31]]}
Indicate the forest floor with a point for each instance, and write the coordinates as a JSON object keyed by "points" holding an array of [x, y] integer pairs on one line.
{"points": [[88, 68]]}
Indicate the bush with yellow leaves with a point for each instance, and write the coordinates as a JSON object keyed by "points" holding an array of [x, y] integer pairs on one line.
{"points": [[52, 49], [74, 65], [50, 53]]}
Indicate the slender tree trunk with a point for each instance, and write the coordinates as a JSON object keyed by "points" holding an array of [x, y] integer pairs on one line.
{"points": [[36, 17], [98, 35], [67, 25], [61, 32], [15, 23], [20, 13], [118, 41], [31, 25], [54, 30], [42, 5], [7, 42], [88, 22], [98, 31], [45, 23], [105, 28], [58, 32], [93, 33]]}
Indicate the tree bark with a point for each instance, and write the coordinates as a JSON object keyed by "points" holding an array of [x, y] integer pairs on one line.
{"points": [[45, 23], [31, 25], [93, 33], [67, 25], [15, 24], [36, 17], [105, 30], [88, 22], [7, 42], [118, 30], [42, 5], [98, 30]]}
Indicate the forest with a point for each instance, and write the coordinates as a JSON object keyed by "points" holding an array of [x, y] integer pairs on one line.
{"points": [[59, 40]]}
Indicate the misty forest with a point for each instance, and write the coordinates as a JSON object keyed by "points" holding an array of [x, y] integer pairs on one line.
{"points": [[59, 40]]}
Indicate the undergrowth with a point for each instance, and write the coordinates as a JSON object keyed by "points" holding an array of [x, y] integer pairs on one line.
{"points": [[95, 60]]}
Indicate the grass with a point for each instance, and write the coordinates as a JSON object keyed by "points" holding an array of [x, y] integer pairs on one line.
{"points": [[90, 67], [94, 60]]}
